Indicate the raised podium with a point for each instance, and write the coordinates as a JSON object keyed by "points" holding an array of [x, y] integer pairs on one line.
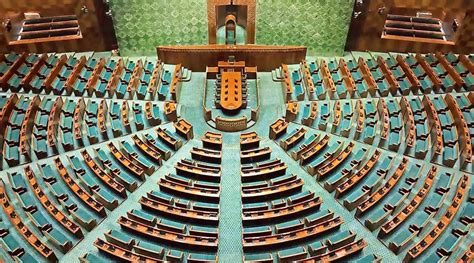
{"points": [[198, 57]]}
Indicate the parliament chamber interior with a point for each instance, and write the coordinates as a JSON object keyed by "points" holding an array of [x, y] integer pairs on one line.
{"points": [[236, 131]]}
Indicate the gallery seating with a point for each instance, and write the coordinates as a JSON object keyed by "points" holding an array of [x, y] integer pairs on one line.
{"points": [[188, 188], [274, 188], [148, 149], [381, 192], [15, 132], [173, 210], [325, 114], [399, 79], [293, 138], [404, 236], [403, 214], [346, 120], [463, 66], [350, 178], [46, 126], [310, 112], [263, 170], [287, 214], [370, 111], [308, 145], [136, 170], [120, 253], [291, 208], [334, 80]]}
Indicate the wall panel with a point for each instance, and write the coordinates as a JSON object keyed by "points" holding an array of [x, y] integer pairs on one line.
{"points": [[141, 25], [321, 25]]}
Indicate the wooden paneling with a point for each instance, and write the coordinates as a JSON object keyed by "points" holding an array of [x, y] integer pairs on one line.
{"points": [[197, 58], [369, 18], [213, 5], [96, 27]]}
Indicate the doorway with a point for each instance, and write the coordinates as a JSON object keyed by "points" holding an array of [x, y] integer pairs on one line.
{"points": [[231, 22]]}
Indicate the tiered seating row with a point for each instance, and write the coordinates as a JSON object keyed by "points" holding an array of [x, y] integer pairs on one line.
{"points": [[435, 124], [277, 213], [292, 84], [377, 77], [179, 219], [392, 195], [18, 130], [35, 242], [87, 76], [79, 192], [36, 127]]}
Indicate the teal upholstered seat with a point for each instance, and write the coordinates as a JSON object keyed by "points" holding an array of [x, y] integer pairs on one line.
{"points": [[176, 226], [161, 196], [331, 149], [151, 249], [202, 257], [258, 257], [120, 238], [320, 90], [317, 248], [341, 90], [139, 118], [292, 253], [174, 255], [201, 205], [255, 205], [135, 153], [316, 218], [121, 174], [340, 238], [258, 229]]}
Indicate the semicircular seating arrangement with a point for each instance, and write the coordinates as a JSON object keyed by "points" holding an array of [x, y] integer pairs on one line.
{"points": [[363, 158]]}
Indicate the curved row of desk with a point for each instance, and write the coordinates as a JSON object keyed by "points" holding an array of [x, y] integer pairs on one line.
{"points": [[35, 127], [437, 127], [282, 220], [88, 76], [49, 207], [413, 207], [380, 76]]}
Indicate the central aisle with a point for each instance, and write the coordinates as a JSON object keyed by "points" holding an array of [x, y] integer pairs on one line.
{"points": [[230, 222]]}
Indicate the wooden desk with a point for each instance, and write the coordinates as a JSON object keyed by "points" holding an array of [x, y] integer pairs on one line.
{"points": [[231, 90], [266, 58], [251, 72], [224, 65]]}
